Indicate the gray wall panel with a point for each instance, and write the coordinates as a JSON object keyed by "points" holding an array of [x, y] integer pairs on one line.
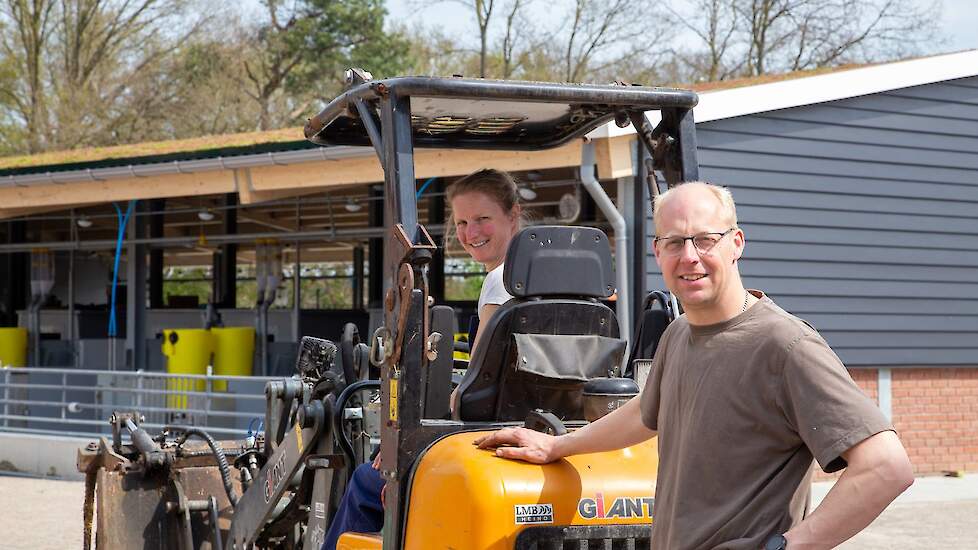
{"points": [[861, 217], [881, 186], [802, 215], [812, 286], [847, 116], [913, 304], [927, 107], [901, 339], [907, 357], [828, 165], [835, 132], [939, 92], [754, 267], [767, 232], [862, 152]]}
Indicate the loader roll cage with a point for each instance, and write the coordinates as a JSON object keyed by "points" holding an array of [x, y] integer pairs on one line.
{"points": [[396, 115]]}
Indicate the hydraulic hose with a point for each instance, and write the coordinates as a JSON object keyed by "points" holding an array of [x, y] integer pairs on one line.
{"points": [[345, 445], [222, 461], [123, 220]]}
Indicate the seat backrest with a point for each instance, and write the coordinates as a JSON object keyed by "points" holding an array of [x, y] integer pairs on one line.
{"points": [[539, 348]]}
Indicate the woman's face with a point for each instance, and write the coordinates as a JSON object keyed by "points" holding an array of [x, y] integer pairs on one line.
{"points": [[483, 227]]}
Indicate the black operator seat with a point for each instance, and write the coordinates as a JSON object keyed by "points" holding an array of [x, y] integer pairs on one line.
{"points": [[539, 348]]}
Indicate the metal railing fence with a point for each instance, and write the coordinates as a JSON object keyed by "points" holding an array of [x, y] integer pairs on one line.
{"points": [[78, 402]]}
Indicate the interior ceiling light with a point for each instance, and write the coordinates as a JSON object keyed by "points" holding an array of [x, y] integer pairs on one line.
{"points": [[205, 215], [83, 222], [352, 206], [527, 193]]}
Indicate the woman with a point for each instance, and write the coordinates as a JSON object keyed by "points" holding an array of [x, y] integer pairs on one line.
{"points": [[486, 214]]}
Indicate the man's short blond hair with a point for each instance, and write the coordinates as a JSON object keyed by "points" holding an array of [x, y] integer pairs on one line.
{"points": [[728, 210]]}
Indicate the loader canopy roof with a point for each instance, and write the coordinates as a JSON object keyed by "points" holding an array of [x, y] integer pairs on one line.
{"points": [[486, 114]]}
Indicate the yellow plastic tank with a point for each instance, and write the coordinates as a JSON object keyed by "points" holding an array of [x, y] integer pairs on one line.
{"points": [[13, 347], [466, 498], [187, 351], [461, 337], [234, 353]]}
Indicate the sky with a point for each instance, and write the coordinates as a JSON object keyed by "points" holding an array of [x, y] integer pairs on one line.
{"points": [[958, 22]]}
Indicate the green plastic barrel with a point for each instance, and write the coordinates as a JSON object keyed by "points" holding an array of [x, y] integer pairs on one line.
{"points": [[234, 353], [13, 347], [187, 351]]}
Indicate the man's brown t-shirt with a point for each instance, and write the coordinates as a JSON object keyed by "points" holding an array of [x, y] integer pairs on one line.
{"points": [[741, 408]]}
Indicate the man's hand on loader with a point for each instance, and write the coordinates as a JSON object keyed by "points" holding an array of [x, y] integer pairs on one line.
{"points": [[521, 444]]}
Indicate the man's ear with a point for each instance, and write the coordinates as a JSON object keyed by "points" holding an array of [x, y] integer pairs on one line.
{"points": [[739, 244]]}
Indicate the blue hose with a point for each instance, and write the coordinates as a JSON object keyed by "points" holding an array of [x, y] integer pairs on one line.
{"points": [[123, 220], [423, 187]]}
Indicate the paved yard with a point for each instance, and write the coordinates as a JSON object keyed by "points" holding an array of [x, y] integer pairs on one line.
{"points": [[42, 514]]}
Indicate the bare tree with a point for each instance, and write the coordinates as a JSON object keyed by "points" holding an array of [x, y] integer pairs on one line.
{"points": [[599, 28], [80, 64], [511, 38], [786, 35], [24, 47], [108, 57], [483, 11], [714, 24], [272, 58]]}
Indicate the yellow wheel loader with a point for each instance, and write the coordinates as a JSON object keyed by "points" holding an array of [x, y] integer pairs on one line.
{"points": [[549, 359]]}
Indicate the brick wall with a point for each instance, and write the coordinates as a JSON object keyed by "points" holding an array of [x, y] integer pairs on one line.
{"points": [[935, 412]]}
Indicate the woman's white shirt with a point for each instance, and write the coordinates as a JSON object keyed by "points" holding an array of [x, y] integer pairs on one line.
{"points": [[493, 291]]}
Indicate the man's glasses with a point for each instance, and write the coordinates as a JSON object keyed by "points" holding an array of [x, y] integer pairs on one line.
{"points": [[703, 242]]}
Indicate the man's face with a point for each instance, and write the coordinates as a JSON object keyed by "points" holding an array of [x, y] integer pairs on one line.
{"points": [[700, 280]]}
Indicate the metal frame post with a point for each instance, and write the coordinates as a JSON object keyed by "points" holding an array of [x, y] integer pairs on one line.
{"points": [[15, 271], [297, 294], [436, 217], [357, 278], [136, 293], [405, 378], [6, 395], [225, 272], [641, 203], [158, 207], [375, 250], [884, 391]]}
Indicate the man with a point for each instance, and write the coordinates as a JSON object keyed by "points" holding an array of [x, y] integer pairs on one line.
{"points": [[742, 396]]}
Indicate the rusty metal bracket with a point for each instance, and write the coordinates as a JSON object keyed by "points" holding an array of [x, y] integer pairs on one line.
{"points": [[412, 256], [405, 284], [406, 245]]}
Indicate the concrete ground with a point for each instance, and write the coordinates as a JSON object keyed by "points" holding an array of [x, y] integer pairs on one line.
{"points": [[936, 512]]}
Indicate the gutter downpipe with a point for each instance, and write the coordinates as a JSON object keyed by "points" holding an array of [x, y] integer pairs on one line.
{"points": [[610, 211]]}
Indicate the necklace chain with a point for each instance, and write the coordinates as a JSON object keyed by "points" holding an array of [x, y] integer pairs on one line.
{"points": [[746, 299]]}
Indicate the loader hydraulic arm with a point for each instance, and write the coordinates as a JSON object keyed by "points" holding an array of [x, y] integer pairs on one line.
{"points": [[260, 500]]}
